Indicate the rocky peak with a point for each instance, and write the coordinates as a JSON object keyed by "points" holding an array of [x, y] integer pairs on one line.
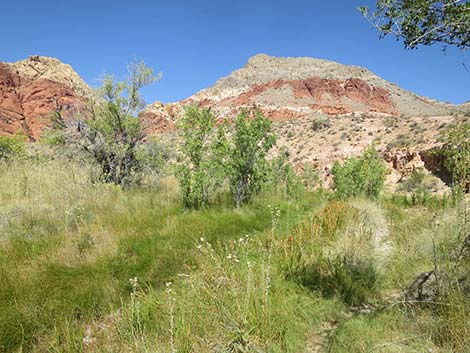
{"points": [[43, 67], [323, 111], [287, 88], [264, 68], [31, 89]]}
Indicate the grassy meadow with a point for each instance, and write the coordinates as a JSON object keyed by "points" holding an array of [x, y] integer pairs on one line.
{"points": [[90, 267]]}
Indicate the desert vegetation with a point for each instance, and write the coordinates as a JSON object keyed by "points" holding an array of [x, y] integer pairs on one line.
{"points": [[221, 249], [298, 205], [111, 241], [93, 267]]}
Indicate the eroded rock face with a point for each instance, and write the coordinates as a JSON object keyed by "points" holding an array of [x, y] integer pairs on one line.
{"points": [[286, 88], [30, 90]]}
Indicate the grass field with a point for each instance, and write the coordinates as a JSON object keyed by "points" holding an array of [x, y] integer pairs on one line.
{"points": [[93, 268]]}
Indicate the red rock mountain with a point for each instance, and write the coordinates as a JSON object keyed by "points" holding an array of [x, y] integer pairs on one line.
{"points": [[33, 88], [285, 88]]}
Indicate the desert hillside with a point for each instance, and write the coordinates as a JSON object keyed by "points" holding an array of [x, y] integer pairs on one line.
{"points": [[323, 112], [31, 89], [285, 88]]}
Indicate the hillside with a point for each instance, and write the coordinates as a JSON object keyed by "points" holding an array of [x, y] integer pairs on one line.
{"points": [[31, 89], [322, 112], [285, 88]]}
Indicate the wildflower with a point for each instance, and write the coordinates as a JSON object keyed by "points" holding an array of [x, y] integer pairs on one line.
{"points": [[134, 282], [88, 338]]}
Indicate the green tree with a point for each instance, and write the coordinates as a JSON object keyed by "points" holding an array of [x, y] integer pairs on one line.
{"points": [[200, 173], [111, 131], [282, 175], [360, 176], [423, 22], [247, 167], [456, 151]]}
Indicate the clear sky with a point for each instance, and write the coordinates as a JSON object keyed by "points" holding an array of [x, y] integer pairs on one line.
{"points": [[194, 43]]}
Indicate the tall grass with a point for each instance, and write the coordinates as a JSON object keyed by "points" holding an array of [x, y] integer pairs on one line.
{"points": [[93, 268], [69, 247]]}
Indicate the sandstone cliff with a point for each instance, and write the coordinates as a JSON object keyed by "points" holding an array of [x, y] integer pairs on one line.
{"points": [[31, 89]]}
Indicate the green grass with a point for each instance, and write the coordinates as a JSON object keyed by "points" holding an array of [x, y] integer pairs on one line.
{"points": [[86, 268], [69, 247]]}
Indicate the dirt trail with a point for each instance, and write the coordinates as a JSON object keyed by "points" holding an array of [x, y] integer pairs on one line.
{"points": [[319, 342]]}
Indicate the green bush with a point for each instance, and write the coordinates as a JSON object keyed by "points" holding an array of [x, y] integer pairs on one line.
{"points": [[56, 135], [401, 141], [11, 146], [310, 177], [282, 175], [54, 138], [320, 123], [247, 167], [456, 152], [152, 156], [200, 172], [110, 132], [360, 176], [420, 185]]}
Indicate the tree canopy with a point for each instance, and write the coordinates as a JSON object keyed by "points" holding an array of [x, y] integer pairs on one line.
{"points": [[423, 22]]}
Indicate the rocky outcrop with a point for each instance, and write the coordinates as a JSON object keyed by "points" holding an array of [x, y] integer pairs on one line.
{"points": [[31, 89], [287, 88]]}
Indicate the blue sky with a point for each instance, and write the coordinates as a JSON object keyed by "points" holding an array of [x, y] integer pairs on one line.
{"points": [[193, 43]]}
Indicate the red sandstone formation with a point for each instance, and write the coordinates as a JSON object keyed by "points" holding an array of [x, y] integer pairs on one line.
{"points": [[27, 100]]}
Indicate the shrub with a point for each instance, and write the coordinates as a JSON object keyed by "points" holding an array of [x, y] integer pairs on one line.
{"points": [[56, 135], [200, 172], [420, 185], [320, 123], [11, 146], [400, 142], [247, 167], [54, 138], [282, 175], [111, 133], [310, 177], [152, 156], [360, 176], [390, 122], [456, 152]]}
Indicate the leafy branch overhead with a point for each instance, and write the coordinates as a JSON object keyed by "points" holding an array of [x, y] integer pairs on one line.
{"points": [[422, 22]]}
